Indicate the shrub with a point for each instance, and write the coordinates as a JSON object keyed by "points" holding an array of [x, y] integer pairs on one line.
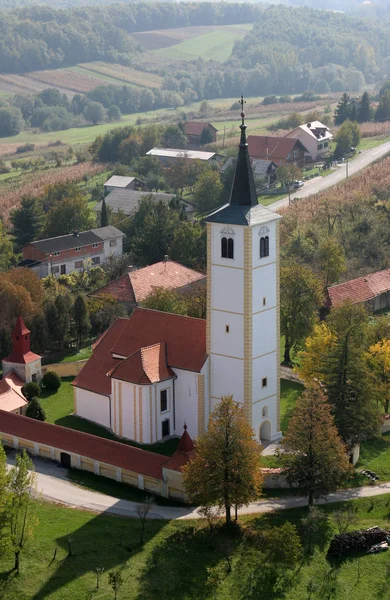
{"points": [[25, 148], [35, 410], [356, 541], [270, 100], [31, 390], [51, 381]]}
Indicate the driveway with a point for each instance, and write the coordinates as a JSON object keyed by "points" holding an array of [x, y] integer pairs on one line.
{"points": [[319, 184], [52, 485]]}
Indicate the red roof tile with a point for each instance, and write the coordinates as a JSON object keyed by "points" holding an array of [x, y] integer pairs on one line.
{"points": [[20, 327], [361, 289], [93, 447], [22, 359], [11, 396], [184, 453], [18, 353], [185, 339], [138, 285], [145, 366], [272, 148], [196, 127]]}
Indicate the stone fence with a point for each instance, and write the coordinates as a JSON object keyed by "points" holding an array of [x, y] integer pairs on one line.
{"points": [[65, 369]]}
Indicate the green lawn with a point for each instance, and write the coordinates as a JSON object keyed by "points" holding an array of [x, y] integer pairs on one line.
{"points": [[375, 456], [372, 142], [174, 560], [289, 392]]}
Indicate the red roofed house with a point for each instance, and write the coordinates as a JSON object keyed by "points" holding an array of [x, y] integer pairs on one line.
{"points": [[280, 150], [136, 286], [194, 131], [19, 367], [373, 290], [146, 376]]}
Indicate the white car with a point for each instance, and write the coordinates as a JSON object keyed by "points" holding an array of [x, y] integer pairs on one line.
{"points": [[297, 184]]}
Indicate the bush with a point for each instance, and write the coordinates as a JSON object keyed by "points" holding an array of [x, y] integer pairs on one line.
{"points": [[356, 541], [25, 148], [35, 410], [285, 99], [51, 381], [31, 390], [270, 100]]}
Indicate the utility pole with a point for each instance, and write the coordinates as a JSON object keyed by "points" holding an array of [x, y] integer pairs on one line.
{"points": [[346, 165]]}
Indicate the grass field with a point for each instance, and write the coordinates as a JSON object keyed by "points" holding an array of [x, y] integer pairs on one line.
{"points": [[174, 560], [213, 45]]}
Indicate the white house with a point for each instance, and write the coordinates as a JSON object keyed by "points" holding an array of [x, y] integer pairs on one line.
{"points": [[154, 371], [315, 136]]}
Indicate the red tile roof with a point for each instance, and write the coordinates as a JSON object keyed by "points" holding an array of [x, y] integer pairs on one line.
{"points": [[138, 285], [185, 452], [272, 148], [93, 447], [20, 327], [17, 354], [145, 366], [196, 127], [361, 289], [185, 339], [22, 359], [11, 396]]}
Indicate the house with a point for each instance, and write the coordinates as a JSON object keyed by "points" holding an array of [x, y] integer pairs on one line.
{"points": [[154, 371], [128, 201], [279, 150], [372, 290], [194, 131], [123, 183], [136, 286], [316, 138], [264, 171], [167, 156], [66, 253], [19, 367]]}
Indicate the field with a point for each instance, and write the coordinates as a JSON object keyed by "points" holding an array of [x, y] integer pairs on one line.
{"points": [[175, 559]]}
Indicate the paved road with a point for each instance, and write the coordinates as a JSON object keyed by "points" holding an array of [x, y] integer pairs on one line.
{"points": [[320, 184], [53, 485]]}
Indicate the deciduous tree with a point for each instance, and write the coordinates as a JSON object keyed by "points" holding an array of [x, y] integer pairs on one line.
{"points": [[378, 358], [70, 215], [27, 221], [35, 411], [81, 318], [208, 191]]}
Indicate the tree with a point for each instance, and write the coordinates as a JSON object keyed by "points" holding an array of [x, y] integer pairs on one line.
{"points": [[174, 137], [72, 214], [31, 390], [35, 411], [39, 333], [364, 109], [206, 137], [51, 381], [189, 244], [115, 581], [113, 113], [342, 111], [208, 191], [382, 112], [81, 318], [378, 359], [178, 175], [94, 112], [4, 502], [11, 121], [301, 297], [30, 281], [347, 136], [331, 260], [314, 525], [166, 300], [143, 509], [317, 460], [7, 256], [15, 301], [226, 468], [21, 522], [27, 221], [104, 214], [286, 174]]}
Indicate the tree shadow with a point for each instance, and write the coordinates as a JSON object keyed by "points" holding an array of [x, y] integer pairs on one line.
{"points": [[6, 578]]}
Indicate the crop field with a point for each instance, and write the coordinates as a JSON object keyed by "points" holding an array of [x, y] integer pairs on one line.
{"points": [[66, 79], [209, 43], [123, 74]]}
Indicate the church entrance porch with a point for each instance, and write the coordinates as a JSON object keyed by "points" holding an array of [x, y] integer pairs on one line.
{"points": [[265, 432]]}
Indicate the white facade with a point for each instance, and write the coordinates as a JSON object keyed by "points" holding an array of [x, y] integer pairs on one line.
{"points": [[31, 371], [244, 322], [315, 146], [92, 406]]}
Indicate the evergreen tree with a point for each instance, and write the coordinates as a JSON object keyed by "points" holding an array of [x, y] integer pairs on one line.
{"points": [[39, 333], [226, 468], [35, 411], [81, 318], [317, 459], [104, 214], [364, 110], [206, 137], [382, 112], [27, 221], [342, 112]]}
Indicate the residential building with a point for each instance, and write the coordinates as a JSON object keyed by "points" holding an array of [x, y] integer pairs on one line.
{"points": [[264, 171], [279, 150], [67, 253], [194, 130], [154, 371], [167, 156], [137, 285], [128, 201], [123, 183], [372, 290], [315, 137]]}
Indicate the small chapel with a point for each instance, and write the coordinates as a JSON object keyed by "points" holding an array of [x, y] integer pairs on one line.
{"points": [[154, 371]]}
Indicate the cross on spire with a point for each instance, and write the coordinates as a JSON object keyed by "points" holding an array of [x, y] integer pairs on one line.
{"points": [[242, 126]]}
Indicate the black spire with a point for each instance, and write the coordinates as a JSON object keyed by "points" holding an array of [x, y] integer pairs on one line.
{"points": [[243, 189]]}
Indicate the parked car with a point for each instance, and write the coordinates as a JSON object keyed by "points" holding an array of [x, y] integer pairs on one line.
{"points": [[297, 184]]}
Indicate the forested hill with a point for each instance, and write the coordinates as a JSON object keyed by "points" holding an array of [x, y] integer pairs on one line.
{"points": [[290, 42], [40, 37]]}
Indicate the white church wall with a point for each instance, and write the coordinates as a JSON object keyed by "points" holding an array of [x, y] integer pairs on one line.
{"points": [[231, 342], [168, 414], [128, 415], [264, 332], [227, 286], [264, 367], [227, 377], [186, 402], [264, 287], [94, 407], [237, 234], [257, 415]]}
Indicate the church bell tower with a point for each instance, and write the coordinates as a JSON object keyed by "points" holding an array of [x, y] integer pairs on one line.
{"points": [[243, 329]]}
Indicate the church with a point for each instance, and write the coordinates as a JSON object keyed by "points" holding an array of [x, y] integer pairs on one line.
{"points": [[153, 372]]}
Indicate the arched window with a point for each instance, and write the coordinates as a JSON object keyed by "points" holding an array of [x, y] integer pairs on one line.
{"points": [[264, 413], [227, 247], [230, 248], [264, 246], [224, 250]]}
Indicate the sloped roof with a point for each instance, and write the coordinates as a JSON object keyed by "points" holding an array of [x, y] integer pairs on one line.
{"points": [[185, 339], [147, 365], [180, 152], [260, 167], [272, 148], [73, 240], [185, 451], [315, 129], [196, 127], [11, 396], [119, 181], [360, 289], [138, 285], [16, 355], [127, 201]]}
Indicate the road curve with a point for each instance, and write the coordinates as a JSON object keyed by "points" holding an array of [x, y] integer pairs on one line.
{"points": [[319, 184]]}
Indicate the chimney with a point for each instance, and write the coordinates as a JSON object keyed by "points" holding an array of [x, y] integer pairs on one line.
{"points": [[309, 125]]}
